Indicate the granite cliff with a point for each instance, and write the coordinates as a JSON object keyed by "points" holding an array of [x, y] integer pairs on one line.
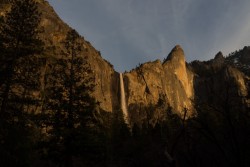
{"points": [[220, 83], [106, 79], [171, 83], [53, 34], [182, 86]]}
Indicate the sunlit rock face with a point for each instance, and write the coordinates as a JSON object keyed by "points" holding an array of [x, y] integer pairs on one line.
{"points": [[144, 86], [173, 82], [106, 78], [54, 32], [170, 80], [175, 66]]}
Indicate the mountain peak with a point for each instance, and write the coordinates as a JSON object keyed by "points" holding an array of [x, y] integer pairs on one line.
{"points": [[177, 47], [219, 58], [219, 55], [177, 54]]}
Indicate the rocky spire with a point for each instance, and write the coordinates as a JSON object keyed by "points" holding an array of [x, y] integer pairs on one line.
{"points": [[218, 60], [219, 55], [177, 54]]}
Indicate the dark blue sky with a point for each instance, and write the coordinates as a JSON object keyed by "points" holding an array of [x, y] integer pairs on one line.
{"points": [[129, 32]]}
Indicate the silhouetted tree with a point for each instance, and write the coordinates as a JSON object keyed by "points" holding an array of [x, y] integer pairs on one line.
{"points": [[218, 133], [19, 43], [69, 108], [19, 38]]}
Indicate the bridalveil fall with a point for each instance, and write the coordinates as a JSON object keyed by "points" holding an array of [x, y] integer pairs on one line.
{"points": [[123, 101]]}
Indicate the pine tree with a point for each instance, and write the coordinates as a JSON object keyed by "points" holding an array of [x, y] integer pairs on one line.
{"points": [[19, 44], [19, 40], [68, 105]]}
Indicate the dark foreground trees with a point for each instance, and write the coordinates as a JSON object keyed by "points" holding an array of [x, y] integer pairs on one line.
{"points": [[67, 126], [19, 42], [68, 108]]}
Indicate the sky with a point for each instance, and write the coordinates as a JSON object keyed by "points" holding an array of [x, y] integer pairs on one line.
{"points": [[131, 32]]}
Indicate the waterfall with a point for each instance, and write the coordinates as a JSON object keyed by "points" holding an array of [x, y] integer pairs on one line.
{"points": [[123, 101]]}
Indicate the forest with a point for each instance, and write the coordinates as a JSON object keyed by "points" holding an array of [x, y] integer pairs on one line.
{"points": [[52, 120]]}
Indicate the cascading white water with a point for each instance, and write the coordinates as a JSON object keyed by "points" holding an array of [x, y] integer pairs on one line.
{"points": [[123, 100]]}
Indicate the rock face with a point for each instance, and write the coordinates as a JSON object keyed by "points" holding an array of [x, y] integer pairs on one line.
{"points": [[220, 85], [106, 79], [182, 86], [170, 80], [55, 30]]}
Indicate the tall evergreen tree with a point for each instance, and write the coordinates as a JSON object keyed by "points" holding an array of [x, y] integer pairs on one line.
{"points": [[19, 40], [68, 105]]}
